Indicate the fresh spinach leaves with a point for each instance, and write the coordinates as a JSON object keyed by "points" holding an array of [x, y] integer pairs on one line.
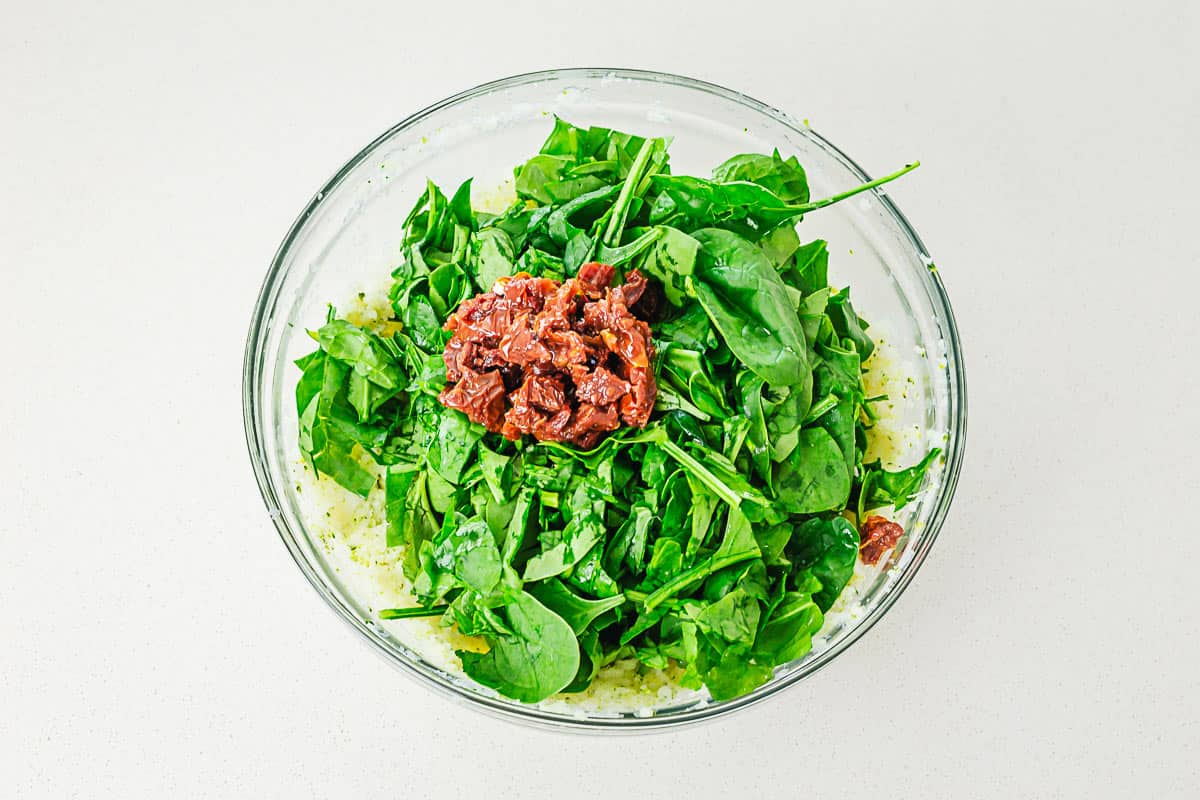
{"points": [[539, 658], [714, 539]]}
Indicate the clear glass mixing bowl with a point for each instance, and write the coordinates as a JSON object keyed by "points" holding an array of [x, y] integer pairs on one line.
{"points": [[347, 238]]}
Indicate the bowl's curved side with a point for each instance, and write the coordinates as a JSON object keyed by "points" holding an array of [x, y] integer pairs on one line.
{"points": [[262, 389]]}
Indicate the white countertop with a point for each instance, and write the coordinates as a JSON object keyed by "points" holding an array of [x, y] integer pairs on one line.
{"points": [[157, 640]]}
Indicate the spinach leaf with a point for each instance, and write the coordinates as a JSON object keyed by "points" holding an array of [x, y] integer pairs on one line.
{"points": [[628, 547], [540, 264], [497, 472], [309, 385], [421, 321], [430, 220], [364, 396], [839, 371], [882, 488], [829, 548], [619, 256], [569, 141], [666, 561], [691, 329], [731, 675], [629, 190], [675, 506], [410, 518], [750, 387], [441, 492], [433, 582], [537, 660], [704, 507], [784, 417], [537, 174], [849, 325], [460, 205], [474, 617], [330, 443], [686, 202], [456, 438], [733, 618], [788, 631], [591, 660], [492, 255], [582, 533], [560, 223], [737, 545], [707, 468], [362, 351], [690, 203], [518, 525], [515, 222], [590, 576], [772, 540], [689, 372], [747, 302], [839, 423], [567, 189], [469, 552], [413, 612], [783, 178], [814, 477], [672, 260], [810, 268], [448, 286], [644, 622], [780, 244], [577, 611]]}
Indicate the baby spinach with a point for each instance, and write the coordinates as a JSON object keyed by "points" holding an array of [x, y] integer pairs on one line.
{"points": [[468, 551], [829, 549], [497, 472], [783, 177], [809, 267], [589, 575], [849, 325], [577, 611], [671, 260], [748, 304], [539, 658], [713, 539], [792, 622], [579, 536], [329, 438], [883, 488], [361, 350], [492, 257], [450, 453], [814, 477], [738, 544], [733, 618]]}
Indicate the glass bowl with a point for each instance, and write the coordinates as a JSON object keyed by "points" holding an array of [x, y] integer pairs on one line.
{"points": [[347, 240]]}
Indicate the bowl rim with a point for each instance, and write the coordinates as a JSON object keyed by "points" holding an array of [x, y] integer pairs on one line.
{"points": [[253, 361]]}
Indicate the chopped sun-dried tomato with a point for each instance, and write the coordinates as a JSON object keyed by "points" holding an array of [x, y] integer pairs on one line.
{"points": [[563, 362], [879, 535]]}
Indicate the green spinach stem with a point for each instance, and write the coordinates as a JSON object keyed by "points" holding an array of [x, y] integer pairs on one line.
{"points": [[701, 570], [410, 613], [700, 471], [828, 201], [621, 209]]}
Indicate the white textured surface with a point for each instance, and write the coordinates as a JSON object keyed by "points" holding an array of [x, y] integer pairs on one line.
{"points": [[157, 641]]}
